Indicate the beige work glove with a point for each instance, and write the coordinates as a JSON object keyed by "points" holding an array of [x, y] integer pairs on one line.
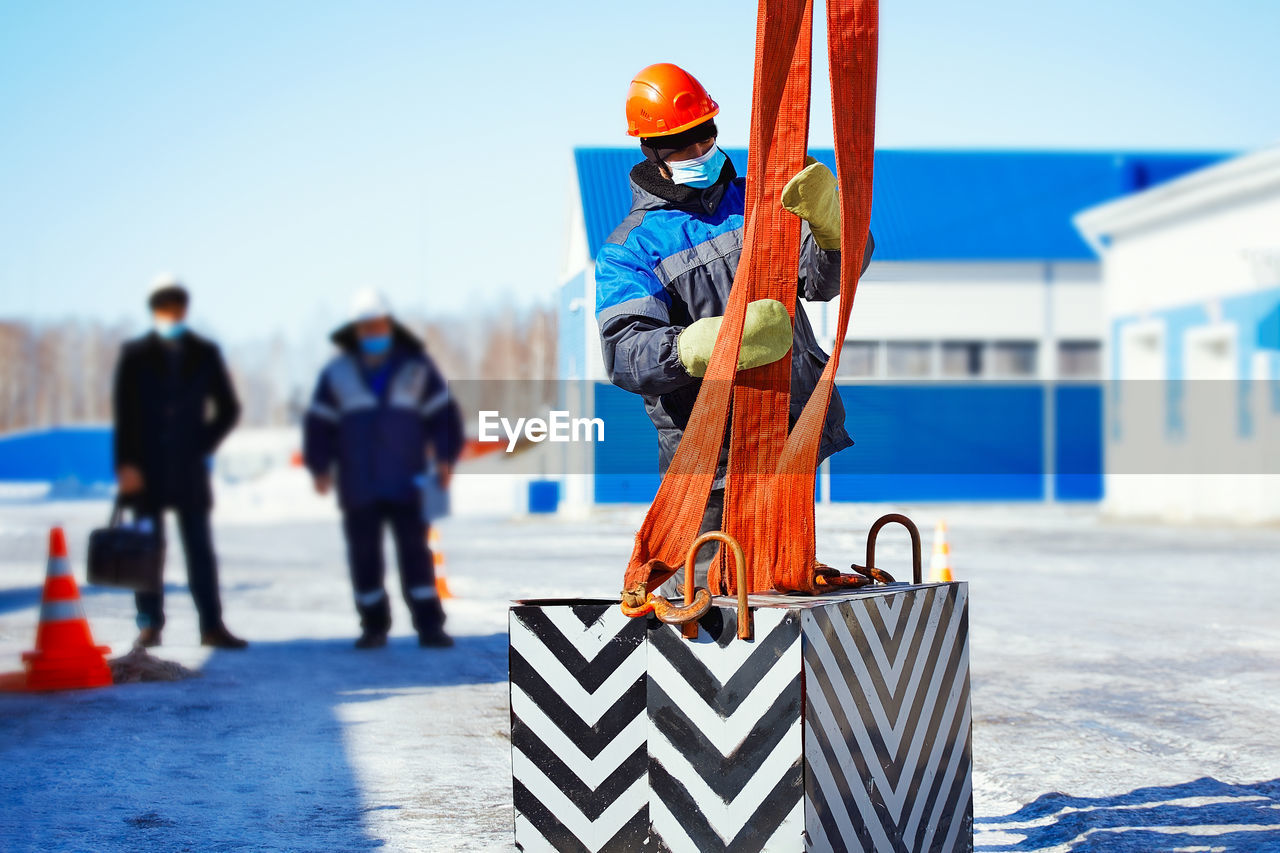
{"points": [[812, 196], [766, 337]]}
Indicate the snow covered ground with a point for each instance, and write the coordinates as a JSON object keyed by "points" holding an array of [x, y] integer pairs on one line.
{"points": [[1125, 684]]}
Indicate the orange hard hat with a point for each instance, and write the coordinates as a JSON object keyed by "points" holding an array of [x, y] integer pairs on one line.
{"points": [[664, 99]]}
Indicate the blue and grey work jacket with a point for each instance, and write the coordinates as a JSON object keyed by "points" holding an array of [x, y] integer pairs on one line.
{"points": [[671, 262], [377, 437]]}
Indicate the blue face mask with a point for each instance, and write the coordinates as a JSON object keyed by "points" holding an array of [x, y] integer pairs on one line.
{"points": [[700, 172], [376, 345], [169, 329]]}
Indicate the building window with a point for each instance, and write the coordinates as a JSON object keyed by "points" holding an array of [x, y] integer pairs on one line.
{"points": [[1079, 360], [1013, 359], [860, 359], [961, 359], [909, 359]]}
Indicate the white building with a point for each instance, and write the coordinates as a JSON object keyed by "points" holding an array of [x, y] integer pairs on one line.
{"points": [[1192, 284]]}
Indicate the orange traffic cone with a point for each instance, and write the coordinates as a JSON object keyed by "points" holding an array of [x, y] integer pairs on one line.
{"points": [[437, 559], [940, 564], [65, 656]]}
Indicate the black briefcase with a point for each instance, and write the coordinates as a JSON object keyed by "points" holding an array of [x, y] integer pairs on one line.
{"points": [[130, 556]]}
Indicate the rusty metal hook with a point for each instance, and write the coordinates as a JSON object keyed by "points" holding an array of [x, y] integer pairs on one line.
{"points": [[697, 600], [638, 602], [877, 574], [745, 631]]}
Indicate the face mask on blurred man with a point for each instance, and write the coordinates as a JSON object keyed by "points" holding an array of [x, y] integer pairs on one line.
{"points": [[375, 344], [700, 172], [167, 327]]}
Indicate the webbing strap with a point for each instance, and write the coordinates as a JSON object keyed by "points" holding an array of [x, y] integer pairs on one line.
{"points": [[762, 397], [770, 485]]}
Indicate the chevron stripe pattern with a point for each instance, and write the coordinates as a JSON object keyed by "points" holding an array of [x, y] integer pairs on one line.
{"points": [[887, 722], [578, 728], [726, 763]]}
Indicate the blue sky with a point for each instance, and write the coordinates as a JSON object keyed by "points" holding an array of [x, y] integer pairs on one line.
{"points": [[279, 154]]}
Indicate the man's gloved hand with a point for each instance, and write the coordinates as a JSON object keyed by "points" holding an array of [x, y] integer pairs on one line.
{"points": [[812, 196], [766, 337]]}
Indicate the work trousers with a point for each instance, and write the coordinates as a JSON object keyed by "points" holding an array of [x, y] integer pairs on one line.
{"points": [[712, 519], [363, 526], [202, 569]]}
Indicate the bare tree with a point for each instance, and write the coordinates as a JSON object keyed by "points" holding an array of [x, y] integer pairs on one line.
{"points": [[61, 373]]}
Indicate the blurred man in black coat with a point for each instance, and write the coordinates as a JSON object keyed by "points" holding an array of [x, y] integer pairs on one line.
{"points": [[174, 405]]}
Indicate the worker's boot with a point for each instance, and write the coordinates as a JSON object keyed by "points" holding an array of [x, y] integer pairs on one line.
{"points": [[221, 638], [372, 640], [148, 638], [435, 639], [428, 619], [375, 621]]}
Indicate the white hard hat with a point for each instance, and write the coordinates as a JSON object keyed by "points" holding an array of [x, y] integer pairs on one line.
{"points": [[369, 304], [166, 285], [165, 281]]}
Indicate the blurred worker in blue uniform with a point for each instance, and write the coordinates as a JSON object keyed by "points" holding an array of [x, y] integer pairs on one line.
{"points": [[380, 413]]}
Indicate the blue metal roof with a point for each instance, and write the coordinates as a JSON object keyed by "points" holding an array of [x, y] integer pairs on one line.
{"points": [[945, 205], [76, 453]]}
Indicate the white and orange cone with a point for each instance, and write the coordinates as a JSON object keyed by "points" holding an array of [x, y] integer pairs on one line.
{"points": [[65, 657], [940, 563], [437, 559]]}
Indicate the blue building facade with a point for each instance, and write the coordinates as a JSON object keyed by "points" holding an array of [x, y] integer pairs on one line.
{"points": [[1032, 439]]}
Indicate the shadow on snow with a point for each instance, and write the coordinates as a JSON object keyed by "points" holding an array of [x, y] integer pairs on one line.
{"points": [[1204, 814], [249, 757], [20, 598]]}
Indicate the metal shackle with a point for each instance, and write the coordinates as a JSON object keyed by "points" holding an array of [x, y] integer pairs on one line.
{"points": [[916, 574], [745, 631]]}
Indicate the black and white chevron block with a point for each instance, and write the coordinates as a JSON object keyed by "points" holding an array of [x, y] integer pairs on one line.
{"points": [[887, 722], [578, 728], [843, 725], [726, 751]]}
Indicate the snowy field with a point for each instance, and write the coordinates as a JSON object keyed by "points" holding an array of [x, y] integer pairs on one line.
{"points": [[1126, 684]]}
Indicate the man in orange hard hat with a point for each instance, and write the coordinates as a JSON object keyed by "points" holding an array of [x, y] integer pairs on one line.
{"points": [[663, 276]]}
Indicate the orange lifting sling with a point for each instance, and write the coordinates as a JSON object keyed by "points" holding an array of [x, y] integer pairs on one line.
{"points": [[770, 485]]}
